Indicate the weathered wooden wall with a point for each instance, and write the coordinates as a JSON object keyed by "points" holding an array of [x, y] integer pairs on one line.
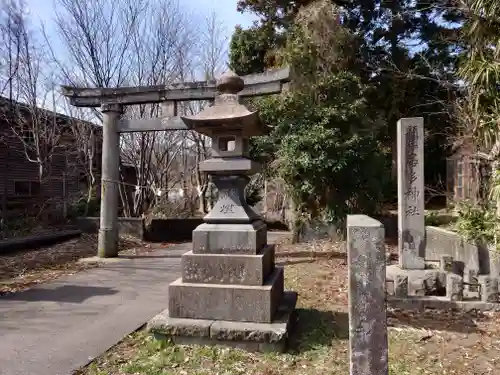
{"points": [[63, 175]]}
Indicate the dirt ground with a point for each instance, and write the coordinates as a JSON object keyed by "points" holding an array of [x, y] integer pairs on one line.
{"points": [[21, 270], [432, 343]]}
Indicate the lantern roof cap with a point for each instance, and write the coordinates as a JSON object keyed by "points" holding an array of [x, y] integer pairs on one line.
{"points": [[227, 113]]}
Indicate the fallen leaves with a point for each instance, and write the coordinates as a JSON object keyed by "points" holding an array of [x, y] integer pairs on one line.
{"points": [[22, 270]]}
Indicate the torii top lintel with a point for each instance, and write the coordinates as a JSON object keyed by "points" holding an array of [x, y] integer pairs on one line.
{"points": [[270, 82]]}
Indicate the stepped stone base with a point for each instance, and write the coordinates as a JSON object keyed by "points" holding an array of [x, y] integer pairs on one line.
{"points": [[247, 238], [241, 303], [243, 269], [260, 337]]}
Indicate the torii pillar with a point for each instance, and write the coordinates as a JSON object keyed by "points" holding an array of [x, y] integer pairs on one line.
{"points": [[107, 245]]}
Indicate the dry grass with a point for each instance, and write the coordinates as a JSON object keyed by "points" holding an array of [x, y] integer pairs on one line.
{"points": [[431, 343], [22, 270]]}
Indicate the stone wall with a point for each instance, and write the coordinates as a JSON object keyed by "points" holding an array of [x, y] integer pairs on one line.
{"points": [[171, 230], [318, 230], [157, 230], [181, 230], [36, 241], [131, 226], [476, 256]]}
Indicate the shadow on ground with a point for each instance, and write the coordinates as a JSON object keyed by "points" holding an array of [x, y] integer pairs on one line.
{"points": [[439, 320], [290, 262], [65, 293], [165, 256], [315, 328], [313, 254]]}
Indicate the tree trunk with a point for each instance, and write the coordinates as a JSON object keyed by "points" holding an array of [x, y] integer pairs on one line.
{"points": [[265, 208], [89, 199], [3, 219], [202, 205], [495, 166]]}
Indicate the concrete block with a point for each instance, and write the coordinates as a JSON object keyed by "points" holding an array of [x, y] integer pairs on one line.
{"points": [[230, 166], [401, 286], [458, 268], [441, 242], [454, 287], [230, 238], [131, 226], [427, 282], [241, 269], [241, 303], [420, 282], [260, 337], [168, 326], [273, 332], [471, 277], [493, 263], [489, 288], [446, 263], [440, 303]]}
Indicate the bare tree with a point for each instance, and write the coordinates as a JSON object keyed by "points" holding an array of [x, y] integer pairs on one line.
{"points": [[34, 130], [211, 62], [213, 46], [10, 35], [140, 42], [97, 36], [130, 43], [159, 40], [83, 150], [11, 27], [30, 91]]}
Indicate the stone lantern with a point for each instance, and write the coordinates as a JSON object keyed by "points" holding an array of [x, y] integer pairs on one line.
{"points": [[230, 291]]}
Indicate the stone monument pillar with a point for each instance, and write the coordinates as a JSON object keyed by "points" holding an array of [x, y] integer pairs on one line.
{"points": [[230, 291], [411, 215]]}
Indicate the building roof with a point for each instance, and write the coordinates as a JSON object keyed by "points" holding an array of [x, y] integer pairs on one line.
{"points": [[6, 101]]}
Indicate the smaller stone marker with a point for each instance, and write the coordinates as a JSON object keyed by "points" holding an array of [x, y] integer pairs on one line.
{"points": [[489, 288], [473, 279], [367, 311], [401, 286], [446, 263], [411, 223], [454, 287]]}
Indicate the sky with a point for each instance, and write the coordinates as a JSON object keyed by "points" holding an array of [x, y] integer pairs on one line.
{"points": [[43, 12]]}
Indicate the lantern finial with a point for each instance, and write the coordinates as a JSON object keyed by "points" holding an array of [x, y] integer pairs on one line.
{"points": [[230, 83]]}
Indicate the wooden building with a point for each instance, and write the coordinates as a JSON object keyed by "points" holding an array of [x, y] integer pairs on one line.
{"points": [[41, 160], [467, 175]]}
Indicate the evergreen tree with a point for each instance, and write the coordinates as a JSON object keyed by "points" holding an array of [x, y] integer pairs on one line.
{"points": [[323, 140], [408, 53]]}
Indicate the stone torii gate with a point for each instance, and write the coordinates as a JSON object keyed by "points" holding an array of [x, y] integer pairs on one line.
{"points": [[112, 101]]}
